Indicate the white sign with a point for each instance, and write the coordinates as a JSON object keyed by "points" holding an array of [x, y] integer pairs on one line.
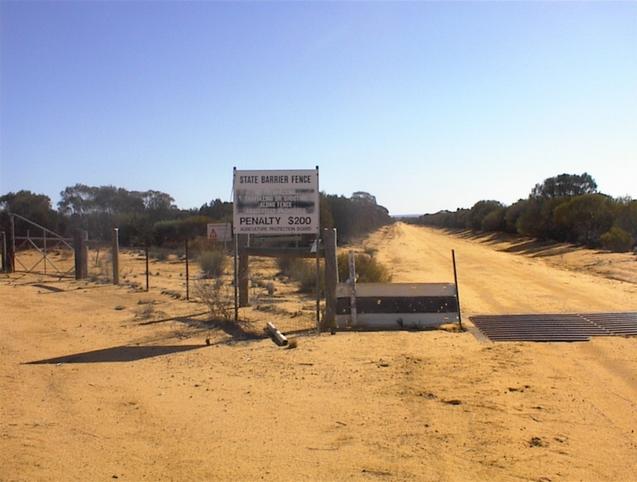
{"points": [[220, 232], [276, 202]]}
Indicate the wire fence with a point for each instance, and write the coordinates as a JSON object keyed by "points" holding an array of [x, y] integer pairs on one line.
{"points": [[200, 272]]}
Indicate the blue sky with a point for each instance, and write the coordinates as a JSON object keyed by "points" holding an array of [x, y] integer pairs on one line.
{"points": [[426, 105]]}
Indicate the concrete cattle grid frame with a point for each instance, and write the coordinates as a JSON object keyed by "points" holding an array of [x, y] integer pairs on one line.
{"points": [[556, 327]]}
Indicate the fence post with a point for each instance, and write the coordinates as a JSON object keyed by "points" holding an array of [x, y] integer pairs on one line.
{"points": [[455, 280], [44, 248], [115, 256], [187, 272], [331, 277], [81, 253], [244, 272], [85, 254], [11, 246], [4, 251], [235, 274], [318, 281], [146, 253]]}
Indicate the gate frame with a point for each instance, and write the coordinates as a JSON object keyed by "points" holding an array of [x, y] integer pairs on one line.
{"points": [[10, 258]]}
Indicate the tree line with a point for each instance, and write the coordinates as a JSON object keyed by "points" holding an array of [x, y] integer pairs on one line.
{"points": [[152, 216], [567, 207]]}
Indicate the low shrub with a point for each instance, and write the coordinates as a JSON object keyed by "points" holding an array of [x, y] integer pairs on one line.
{"points": [[618, 240], [368, 269], [216, 298], [160, 254], [212, 263], [269, 286], [202, 243], [285, 263], [303, 271]]}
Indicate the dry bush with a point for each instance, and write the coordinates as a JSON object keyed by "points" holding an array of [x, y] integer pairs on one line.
{"points": [[104, 266], [145, 311], [160, 254], [212, 263], [368, 269], [617, 239], [371, 251], [269, 286], [303, 271], [285, 263], [216, 298]]}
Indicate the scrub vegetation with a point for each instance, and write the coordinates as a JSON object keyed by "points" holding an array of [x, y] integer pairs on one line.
{"points": [[151, 217], [567, 208]]}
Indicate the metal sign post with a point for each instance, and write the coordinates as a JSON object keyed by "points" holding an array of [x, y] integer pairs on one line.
{"points": [[236, 277], [455, 280], [352, 282], [318, 263], [236, 253]]}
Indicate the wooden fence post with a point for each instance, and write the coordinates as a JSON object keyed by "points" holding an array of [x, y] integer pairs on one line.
{"points": [[11, 246], [44, 248], [4, 251], [187, 272], [331, 277], [84, 254], [244, 272], [81, 253], [115, 256], [146, 255]]}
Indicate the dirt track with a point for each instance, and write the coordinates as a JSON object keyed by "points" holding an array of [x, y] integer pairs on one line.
{"points": [[364, 406], [495, 281]]}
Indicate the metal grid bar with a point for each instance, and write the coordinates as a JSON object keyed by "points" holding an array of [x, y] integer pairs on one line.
{"points": [[619, 324], [555, 327]]}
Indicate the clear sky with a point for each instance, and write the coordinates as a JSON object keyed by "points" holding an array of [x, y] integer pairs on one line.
{"points": [[426, 105]]}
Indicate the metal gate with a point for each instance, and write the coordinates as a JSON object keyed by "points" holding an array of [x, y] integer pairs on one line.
{"points": [[38, 249]]}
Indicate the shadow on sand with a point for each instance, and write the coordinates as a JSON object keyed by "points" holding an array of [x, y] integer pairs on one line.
{"points": [[526, 246], [122, 353], [181, 318]]}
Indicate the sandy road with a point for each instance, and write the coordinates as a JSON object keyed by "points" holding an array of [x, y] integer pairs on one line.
{"points": [[493, 281], [354, 406]]}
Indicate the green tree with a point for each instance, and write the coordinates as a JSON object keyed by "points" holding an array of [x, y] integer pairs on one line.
{"points": [[513, 213], [217, 210], [616, 239], [585, 218], [565, 185], [626, 217], [356, 216], [494, 221], [479, 211], [35, 207]]}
